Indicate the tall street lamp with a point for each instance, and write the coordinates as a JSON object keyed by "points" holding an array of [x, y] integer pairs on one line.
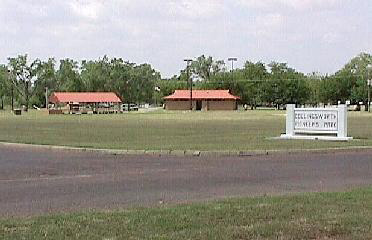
{"points": [[232, 60], [157, 91], [188, 61]]}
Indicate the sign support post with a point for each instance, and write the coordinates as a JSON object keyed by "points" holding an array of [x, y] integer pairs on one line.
{"points": [[342, 121], [290, 123]]}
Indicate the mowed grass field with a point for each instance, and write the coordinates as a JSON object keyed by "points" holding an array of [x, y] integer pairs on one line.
{"points": [[346, 215], [162, 130]]}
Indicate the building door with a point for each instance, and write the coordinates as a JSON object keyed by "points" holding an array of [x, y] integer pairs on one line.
{"points": [[199, 105]]}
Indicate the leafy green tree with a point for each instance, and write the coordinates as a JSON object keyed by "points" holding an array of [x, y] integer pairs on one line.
{"points": [[120, 79], [255, 73], [297, 91], [313, 82], [218, 81], [353, 79], [45, 78], [96, 74], [328, 90], [205, 67], [4, 85], [144, 78], [68, 76], [165, 87], [286, 85], [24, 76]]}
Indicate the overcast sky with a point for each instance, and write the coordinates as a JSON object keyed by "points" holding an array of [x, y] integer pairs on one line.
{"points": [[310, 35]]}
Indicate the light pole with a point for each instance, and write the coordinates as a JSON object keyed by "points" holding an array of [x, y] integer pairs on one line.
{"points": [[188, 61], [369, 84], [157, 91], [232, 60], [129, 95], [12, 88]]}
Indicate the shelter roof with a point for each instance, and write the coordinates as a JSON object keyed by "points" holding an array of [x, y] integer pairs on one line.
{"points": [[84, 97], [202, 95]]}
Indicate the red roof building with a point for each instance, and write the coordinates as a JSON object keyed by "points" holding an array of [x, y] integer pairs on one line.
{"points": [[201, 100], [84, 97]]}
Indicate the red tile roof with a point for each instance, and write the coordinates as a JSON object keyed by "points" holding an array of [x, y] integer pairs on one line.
{"points": [[202, 95], [84, 97]]}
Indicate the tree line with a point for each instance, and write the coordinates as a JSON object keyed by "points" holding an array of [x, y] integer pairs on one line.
{"points": [[256, 83], [27, 81]]}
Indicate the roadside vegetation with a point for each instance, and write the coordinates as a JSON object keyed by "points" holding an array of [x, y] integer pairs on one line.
{"points": [[163, 130], [345, 215]]}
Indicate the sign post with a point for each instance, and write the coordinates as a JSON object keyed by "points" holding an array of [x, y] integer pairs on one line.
{"points": [[316, 123]]}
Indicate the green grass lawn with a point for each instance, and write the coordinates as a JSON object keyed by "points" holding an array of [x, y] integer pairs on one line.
{"points": [[346, 215], [217, 131]]}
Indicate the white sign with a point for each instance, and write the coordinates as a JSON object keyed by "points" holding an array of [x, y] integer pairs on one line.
{"points": [[316, 123]]}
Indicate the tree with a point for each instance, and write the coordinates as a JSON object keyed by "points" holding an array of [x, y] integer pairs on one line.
{"points": [[3, 84], [205, 67], [68, 77], [45, 78], [24, 76], [96, 74], [255, 73], [120, 79], [328, 90], [313, 83], [286, 85], [297, 91], [144, 79], [167, 86], [353, 79]]}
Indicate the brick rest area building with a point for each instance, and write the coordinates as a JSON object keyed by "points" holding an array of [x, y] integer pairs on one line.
{"points": [[201, 100], [84, 102]]}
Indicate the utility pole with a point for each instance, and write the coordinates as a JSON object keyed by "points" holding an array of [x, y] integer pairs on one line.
{"points": [[12, 96], [369, 84], [12, 88], [46, 98], [188, 61]]}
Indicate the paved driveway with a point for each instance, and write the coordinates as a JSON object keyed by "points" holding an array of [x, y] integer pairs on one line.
{"points": [[36, 181]]}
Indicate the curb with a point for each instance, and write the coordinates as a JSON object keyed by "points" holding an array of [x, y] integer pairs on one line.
{"points": [[190, 153]]}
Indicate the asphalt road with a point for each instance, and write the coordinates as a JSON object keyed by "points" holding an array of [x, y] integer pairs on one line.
{"points": [[36, 181]]}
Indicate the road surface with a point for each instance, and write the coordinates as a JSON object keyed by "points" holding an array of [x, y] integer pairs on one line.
{"points": [[36, 181]]}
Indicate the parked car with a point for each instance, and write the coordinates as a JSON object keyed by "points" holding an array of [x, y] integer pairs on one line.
{"points": [[132, 107]]}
